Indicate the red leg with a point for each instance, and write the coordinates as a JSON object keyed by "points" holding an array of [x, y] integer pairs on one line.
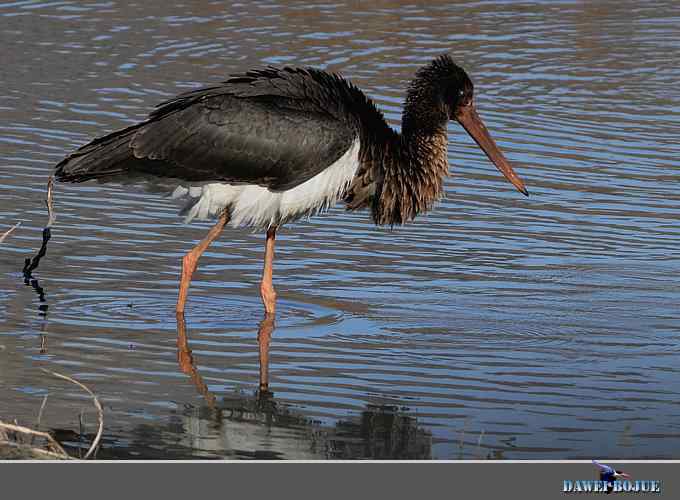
{"points": [[187, 364], [266, 287], [264, 336], [190, 261]]}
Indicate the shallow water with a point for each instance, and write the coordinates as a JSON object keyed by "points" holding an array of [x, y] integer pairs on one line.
{"points": [[497, 326]]}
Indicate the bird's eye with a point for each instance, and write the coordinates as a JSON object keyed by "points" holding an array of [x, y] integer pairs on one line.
{"points": [[461, 92]]}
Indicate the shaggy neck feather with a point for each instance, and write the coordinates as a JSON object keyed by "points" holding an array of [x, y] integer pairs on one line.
{"points": [[413, 179]]}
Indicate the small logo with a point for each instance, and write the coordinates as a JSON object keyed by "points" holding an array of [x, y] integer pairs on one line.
{"points": [[610, 475], [611, 481]]}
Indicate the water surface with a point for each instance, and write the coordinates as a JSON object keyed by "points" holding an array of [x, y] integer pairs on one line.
{"points": [[497, 326]]}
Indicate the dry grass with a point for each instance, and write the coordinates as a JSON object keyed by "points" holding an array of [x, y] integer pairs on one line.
{"points": [[97, 405], [19, 442], [22, 440]]}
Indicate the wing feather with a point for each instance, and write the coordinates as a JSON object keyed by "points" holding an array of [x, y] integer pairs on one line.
{"points": [[272, 127], [242, 140]]}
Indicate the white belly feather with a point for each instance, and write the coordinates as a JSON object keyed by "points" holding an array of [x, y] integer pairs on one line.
{"points": [[257, 206]]}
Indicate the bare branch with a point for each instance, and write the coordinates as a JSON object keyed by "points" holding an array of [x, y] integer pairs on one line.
{"points": [[97, 404], [40, 413], [30, 432], [9, 231], [31, 264], [50, 210]]}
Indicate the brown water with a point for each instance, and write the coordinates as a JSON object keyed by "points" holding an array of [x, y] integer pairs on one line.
{"points": [[496, 326]]}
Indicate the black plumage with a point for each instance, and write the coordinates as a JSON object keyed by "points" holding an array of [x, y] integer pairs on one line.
{"points": [[275, 128], [272, 145], [280, 127]]}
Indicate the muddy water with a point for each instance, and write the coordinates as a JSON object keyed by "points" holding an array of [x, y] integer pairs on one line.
{"points": [[496, 326]]}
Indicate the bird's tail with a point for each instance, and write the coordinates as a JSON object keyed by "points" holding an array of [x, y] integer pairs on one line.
{"points": [[104, 159]]}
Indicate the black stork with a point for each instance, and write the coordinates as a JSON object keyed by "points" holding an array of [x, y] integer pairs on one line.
{"points": [[273, 145]]}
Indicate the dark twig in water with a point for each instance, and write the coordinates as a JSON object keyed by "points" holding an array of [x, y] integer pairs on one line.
{"points": [[9, 231], [32, 264], [97, 404], [81, 430]]}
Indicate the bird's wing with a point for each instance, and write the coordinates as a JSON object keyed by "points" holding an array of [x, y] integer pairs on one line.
{"points": [[604, 469], [263, 130], [241, 140]]}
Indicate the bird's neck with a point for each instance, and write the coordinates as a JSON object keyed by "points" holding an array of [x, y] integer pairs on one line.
{"points": [[413, 179]]}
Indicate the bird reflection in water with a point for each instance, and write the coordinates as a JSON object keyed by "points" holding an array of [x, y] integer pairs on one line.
{"points": [[187, 363], [261, 427]]}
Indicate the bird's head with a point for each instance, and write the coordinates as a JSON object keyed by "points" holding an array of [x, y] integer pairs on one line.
{"points": [[448, 91]]}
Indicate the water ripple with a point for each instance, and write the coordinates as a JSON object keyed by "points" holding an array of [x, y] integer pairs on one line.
{"points": [[548, 325]]}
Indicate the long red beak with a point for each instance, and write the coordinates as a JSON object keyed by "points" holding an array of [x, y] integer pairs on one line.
{"points": [[467, 116]]}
